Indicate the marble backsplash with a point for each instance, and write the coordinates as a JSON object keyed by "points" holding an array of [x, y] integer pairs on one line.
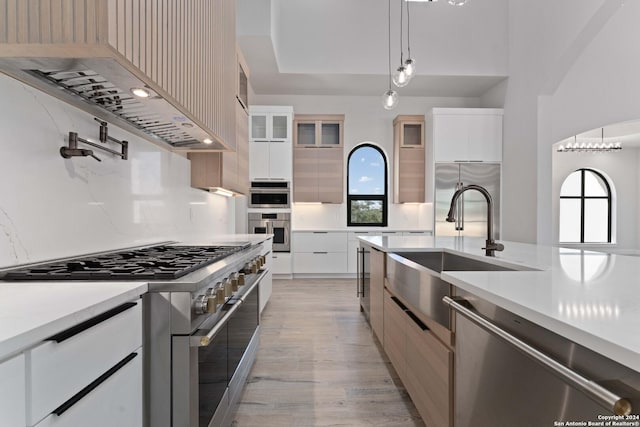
{"points": [[51, 207]]}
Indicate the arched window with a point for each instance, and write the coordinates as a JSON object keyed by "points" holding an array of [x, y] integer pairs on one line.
{"points": [[585, 208], [366, 186]]}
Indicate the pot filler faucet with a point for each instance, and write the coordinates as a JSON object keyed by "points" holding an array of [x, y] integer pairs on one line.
{"points": [[491, 245]]}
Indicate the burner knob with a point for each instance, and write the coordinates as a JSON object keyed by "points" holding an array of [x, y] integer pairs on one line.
{"points": [[211, 305], [220, 295], [200, 305], [210, 292], [254, 267], [263, 259], [234, 281], [241, 279], [227, 288]]}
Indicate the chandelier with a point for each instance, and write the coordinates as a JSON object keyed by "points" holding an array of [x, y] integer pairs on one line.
{"points": [[582, 147]]}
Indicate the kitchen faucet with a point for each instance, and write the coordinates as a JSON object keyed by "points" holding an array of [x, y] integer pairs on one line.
{"points": [[491, 245]]}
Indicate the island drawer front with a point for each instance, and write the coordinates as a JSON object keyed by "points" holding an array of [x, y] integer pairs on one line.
{"points": [[429, 375], [12, 383], [395, 337], [115, 402], [59, 370]]}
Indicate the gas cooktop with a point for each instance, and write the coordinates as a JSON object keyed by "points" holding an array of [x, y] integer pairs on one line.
{"points": [[151, 263]]}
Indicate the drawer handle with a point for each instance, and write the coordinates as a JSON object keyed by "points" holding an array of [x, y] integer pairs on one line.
{"points": [[88, 389], [417, 321], [401, 305], [320, 232], [321, 253], [75, 330]]}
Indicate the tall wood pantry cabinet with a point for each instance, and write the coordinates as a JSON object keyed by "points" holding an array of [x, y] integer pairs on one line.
{"points": [[408, 159], [318, 158]]}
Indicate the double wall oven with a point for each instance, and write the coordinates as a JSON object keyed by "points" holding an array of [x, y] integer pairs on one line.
{"points": [[270, 213], [276, 223], [201, 322]]}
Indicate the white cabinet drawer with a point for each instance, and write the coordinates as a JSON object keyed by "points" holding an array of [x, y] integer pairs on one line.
{"points": [[115, 402], [281, 263], [12, 392], [69, 361], [320, 262], [319, 242]]}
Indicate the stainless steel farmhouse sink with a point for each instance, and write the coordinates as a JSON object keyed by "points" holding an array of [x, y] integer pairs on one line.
{"points": [[445, 261], [415, 276]]}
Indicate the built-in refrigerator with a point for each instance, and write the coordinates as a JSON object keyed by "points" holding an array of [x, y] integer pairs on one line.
{"points": [[471, 208]]}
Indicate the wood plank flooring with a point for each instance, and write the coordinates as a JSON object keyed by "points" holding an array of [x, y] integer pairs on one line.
{"points": [[319, 365]]}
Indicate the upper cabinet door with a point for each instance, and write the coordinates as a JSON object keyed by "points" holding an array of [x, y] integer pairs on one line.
{"points": [[259, 127], [280, 127], [462, 135], [318, 130], [305, 133]]}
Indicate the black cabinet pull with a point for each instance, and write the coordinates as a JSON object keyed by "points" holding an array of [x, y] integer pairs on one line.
{"points": [[417, 321], [88, 389], [75, 330], [401, 305]]}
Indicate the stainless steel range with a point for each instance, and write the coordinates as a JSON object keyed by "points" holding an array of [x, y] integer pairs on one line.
{"points": [[201, 321]]}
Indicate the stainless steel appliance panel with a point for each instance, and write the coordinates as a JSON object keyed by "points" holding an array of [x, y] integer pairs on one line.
{"points": [[269, 195], [498, 385], [471, 212], [276, 223]]}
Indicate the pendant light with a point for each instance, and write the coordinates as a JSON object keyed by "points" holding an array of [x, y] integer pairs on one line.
{"points": [[410, 63], [389, 97], [589, 147], [400, 76]]}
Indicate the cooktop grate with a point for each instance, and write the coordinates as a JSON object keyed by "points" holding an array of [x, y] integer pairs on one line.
{"points": [[153, 263]]}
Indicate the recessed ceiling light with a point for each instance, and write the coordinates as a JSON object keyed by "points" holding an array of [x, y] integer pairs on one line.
{"points": [[140, 92], [208, 141]]}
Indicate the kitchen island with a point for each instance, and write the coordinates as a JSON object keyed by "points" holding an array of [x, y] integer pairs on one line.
{"points": [[467, 341], [591, 298]]}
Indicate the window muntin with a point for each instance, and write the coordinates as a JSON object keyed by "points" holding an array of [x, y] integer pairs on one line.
{"points": [[366, 186], [585, 208]]}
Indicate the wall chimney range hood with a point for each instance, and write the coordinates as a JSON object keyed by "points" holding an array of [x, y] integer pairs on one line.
{"points": [[103, 87]]}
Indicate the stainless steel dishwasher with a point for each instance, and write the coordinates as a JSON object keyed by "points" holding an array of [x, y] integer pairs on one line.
{"points": [[511, 372]]}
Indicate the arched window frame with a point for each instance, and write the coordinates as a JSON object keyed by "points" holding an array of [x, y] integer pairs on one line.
{"points": [[357, 197], [582, 199]]}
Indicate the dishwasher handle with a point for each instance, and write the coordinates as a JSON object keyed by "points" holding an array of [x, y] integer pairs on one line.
{"points": [[607, 399]]}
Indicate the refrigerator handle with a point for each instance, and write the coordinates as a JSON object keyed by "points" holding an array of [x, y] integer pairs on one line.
{"points": [[460, 209]]}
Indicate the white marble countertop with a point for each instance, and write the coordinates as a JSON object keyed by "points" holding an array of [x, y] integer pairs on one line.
{"points": [[362, 230], [33, 311], [592, 298]]}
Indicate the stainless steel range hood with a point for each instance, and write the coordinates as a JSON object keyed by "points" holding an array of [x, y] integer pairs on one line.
{"points": [[102, 87]]}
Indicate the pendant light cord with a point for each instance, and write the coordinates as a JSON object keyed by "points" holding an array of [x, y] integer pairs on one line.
{"points": [[408, 31], [401, 27], [389, 45]]}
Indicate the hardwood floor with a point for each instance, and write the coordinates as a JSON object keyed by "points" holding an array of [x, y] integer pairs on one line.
{"points": [[319, 365]]}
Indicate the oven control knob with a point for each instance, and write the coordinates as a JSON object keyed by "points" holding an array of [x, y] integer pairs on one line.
{"points": [[200, 305], [234, 281], [211, 304], [241, 279], [263, 259], [227, 288], [220, 295], [254, 267], [210, 292]]}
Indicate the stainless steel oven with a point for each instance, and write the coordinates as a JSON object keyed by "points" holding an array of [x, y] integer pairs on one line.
{"points": [[276, 223], [269, 194]]}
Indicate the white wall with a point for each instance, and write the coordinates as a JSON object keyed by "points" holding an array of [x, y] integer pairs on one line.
{"points": [[365, 121], [622, 170], [572, 68], [52, 207]]}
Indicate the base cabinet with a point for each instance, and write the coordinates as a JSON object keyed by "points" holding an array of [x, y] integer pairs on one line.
{"points": [[423, 363], [12, 391]]}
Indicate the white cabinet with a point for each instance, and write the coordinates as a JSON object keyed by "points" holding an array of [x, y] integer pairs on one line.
{"points": [[76, 370], [319, 252], [270, 143], [12, 391], [465, 134], [282, 263], [266, 284], [117, 401]]}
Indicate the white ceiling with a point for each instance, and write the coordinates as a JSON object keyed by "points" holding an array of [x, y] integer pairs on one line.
{"points": [[340, 47]]}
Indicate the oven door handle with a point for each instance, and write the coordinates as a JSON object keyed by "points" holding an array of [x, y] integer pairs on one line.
{"points": [[205, 340]]}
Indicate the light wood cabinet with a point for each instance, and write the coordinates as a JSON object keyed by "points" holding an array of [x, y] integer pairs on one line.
{"points": [[408, 159], [318, 130], [229, 169], [423, 362], [376, 292], [183, 51], [318, 158], [429, 365], [395, 335]]}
